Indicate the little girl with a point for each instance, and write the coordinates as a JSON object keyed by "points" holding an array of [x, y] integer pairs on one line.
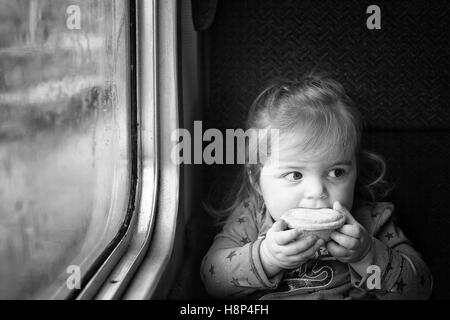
{"points": [[319, 164]]}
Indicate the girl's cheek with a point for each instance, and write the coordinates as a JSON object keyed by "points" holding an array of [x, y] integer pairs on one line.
{"points": [[347, 196], [276, 203]]}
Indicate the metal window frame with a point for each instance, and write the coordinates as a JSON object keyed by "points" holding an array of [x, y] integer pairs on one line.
{"points": [[112, 278], [153, 270]]}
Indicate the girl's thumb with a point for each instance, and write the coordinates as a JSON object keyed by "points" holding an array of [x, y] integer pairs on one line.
{"points": [[279, 225], [338, 207]]}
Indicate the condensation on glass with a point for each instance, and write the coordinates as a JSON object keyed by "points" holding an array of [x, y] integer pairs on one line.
{"points": [[64, 139]]}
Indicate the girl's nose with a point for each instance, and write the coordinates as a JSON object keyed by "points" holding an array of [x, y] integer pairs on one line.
{"points": [[314, 189]]}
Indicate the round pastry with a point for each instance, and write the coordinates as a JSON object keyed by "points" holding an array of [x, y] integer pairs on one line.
{"points": [[320, 222]]}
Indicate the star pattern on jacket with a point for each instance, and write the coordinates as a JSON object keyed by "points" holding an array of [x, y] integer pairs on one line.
{"points": [[241, 220], [374, 213], [389, 235], [231, 255], [245, 240], [235, 282]]}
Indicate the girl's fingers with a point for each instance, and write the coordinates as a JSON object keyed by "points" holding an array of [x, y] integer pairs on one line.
{"points": [[308, 254], [279, 225], [344, 240], [300, 245], [284, 237], [336, 250], [350, 230], [349, 218], [338, 207]]}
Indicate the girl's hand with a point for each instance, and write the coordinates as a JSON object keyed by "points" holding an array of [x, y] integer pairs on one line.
{"points": [[350, 243], [284, 249]]}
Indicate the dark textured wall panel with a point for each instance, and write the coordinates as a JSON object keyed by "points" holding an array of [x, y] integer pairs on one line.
{"points": [[398, 75], [418, 163]]}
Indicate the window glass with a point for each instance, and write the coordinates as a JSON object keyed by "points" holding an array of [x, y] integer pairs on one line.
{"points": [[64, 140]]}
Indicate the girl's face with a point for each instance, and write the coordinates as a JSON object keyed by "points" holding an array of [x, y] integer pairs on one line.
{"points": [[307, 179]]}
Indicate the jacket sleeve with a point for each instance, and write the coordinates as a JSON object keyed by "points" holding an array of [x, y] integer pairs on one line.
{"points": [[232, 267], [403, 274]]}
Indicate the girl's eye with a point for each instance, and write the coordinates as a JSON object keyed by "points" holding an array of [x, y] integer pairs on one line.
{"points": [[337, 173], [294, 176]]}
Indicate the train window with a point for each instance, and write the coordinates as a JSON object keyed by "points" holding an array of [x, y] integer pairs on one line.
{"points": [[65, 150]]}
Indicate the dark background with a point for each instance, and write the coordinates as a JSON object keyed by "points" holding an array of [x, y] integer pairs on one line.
{"points": [[398, 76]]}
